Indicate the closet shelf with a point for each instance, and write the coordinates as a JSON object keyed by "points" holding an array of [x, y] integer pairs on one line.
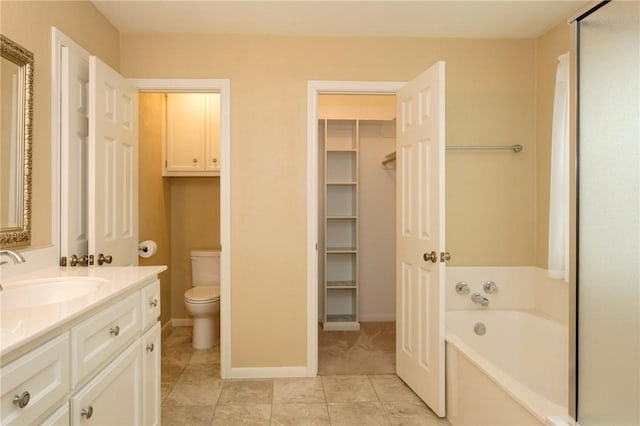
{"points": [[332, 250], [341, 284], [341, 217], [342, 183]]}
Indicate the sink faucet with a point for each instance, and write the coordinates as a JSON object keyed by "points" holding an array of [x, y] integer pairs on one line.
{"points": [[480, 299], [15, 256]]}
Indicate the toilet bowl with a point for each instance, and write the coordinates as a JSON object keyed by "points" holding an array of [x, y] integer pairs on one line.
{"points": [[202, 302]]}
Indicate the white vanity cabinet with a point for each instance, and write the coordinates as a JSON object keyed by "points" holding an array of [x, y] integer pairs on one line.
{"points": [[128, 389], [192, 134], [100, 368]]}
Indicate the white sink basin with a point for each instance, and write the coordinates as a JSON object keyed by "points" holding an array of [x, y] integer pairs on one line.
{"points": [[47, 291]]}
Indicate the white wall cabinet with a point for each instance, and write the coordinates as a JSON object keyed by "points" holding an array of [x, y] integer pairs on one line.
{"points": [[102, 370], [192, 134]]}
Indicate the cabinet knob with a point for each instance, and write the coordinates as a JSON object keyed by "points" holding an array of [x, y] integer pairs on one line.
{"points": [[150, 347], [114, 331], [87, 412], [153, 303], [195, 160], [214, 160], [22, 400]]}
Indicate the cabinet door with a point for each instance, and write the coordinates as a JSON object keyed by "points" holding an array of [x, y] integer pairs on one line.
{"points": [[113, 397], [186, 133], [151, 376], [213, 132]]}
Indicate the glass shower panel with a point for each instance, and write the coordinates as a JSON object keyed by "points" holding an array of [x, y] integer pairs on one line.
{"points": [[609, 216]]}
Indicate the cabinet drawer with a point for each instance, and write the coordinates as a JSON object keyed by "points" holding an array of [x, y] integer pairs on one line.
{"points": [[150, 304], [98, 338], [41, 377], [112, 397]]}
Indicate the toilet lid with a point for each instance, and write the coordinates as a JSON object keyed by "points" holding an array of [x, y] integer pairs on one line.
{"points": [[203, 294]]}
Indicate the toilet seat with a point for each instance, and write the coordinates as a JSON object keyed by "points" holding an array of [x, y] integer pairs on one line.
{"points": [[202, 294]]}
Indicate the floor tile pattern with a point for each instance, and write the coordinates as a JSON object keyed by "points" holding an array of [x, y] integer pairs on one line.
{"points": [[194, 394]]}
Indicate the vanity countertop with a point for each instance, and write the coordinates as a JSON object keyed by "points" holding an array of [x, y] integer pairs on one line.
{"points": [[25, 323]]}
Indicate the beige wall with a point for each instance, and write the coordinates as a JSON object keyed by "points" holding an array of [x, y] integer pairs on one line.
{"points": [[490, 99], [195, 223], [548, 47], [154, 197], [29, 24]]}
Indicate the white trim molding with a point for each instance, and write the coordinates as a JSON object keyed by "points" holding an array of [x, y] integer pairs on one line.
{"points": [[314, 88]]}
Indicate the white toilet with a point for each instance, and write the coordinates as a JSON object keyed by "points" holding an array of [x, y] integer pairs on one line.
{"points": [[203, 300]]}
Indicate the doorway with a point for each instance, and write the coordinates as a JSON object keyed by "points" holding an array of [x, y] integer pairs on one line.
{"points": [[223, 88], [315, 89], [356, 256]]}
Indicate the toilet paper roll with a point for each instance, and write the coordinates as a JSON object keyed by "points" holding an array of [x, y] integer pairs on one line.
{"points": [[147, 248]]}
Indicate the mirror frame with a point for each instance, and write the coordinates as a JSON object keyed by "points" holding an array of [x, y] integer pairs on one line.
{"points": [[21, 236]]}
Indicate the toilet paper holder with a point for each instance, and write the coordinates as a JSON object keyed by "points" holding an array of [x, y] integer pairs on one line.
{"points": [[147, 248]]}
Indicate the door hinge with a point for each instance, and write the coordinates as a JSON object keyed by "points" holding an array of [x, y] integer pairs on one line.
{"points": [[445, 256]]}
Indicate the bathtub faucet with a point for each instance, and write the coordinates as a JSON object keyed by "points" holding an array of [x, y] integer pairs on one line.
{"points": [[479, 299]]}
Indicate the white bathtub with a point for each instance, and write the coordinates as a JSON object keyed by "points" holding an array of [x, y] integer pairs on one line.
{"points": [[514, 374]]}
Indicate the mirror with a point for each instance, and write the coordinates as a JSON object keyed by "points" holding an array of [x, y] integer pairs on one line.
{"points": [[16, 114]]}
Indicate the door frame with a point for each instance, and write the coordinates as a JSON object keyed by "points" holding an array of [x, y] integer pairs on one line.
{"points": [[223, 87], [315, 88]]}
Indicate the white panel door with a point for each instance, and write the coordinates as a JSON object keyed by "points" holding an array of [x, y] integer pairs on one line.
{"points": [[74, 128], [113, 165], [420, 237]]}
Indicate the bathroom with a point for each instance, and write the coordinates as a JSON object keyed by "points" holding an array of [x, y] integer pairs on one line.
{"points": [[269, 172]]}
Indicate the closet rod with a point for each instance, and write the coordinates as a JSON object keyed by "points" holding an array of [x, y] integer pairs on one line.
{"points": [[515, 148]]}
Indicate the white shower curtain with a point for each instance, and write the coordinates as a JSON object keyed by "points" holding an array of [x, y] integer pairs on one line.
{"points": [[558, 266]]}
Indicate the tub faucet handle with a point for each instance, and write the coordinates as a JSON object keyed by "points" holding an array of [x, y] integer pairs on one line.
{"points": [[480, 299], [462, 288], [490, 287]]}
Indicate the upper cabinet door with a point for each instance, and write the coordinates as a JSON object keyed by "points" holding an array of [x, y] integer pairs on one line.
{"points": [[192, 145], [113, 166]]}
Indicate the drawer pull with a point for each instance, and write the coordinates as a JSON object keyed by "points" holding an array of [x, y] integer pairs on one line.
{"points": [[150, 347], [22, 400], [114, 331], [153, 303], [87, 412]]}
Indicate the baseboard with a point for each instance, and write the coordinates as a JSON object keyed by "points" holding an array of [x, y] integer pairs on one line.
{"points": [[182, 322], [268, 372], [166, 330]]}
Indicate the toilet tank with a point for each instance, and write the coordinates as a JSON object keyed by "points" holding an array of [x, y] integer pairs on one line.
{"points": [[205, 267]]}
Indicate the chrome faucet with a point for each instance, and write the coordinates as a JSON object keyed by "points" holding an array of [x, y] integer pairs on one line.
{"points": [[15, 256], [480, 299]]}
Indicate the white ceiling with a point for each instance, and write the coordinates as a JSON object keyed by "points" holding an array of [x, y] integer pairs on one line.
{"points": [[381, 18]]}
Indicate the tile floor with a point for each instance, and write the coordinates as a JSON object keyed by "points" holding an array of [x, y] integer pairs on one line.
{"points": [[193, 394]]}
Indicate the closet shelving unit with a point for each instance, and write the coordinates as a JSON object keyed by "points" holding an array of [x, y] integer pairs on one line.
{"points": [[340, 224]]}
